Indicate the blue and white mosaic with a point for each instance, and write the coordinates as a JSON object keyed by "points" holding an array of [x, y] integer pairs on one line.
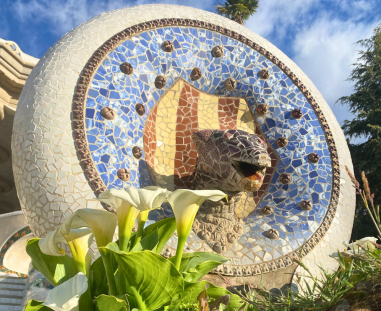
{"points": [[110, 142]]}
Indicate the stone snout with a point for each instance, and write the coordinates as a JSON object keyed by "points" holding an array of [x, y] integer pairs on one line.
{"points": [[232, 161]]}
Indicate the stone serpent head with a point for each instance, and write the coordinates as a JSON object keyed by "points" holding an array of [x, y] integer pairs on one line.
{"points": [[229, 160]]}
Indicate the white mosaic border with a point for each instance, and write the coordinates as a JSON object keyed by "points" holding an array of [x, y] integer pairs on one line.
{"points": [[49, 179]]}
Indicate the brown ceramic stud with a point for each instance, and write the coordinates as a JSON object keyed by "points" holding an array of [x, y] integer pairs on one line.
{"points": [[285, 178], [230, 84], [266, 210], [306, 205], [262, 109], [313, 157], [231, 237], [196, 74], [282, 142], [218, 51], [219, 247], [108, 113], [123, 174], [272, 234], [297, 113], [160, 81], [264, 74], [137, 152], [140, 109], [126, 68], [167, 46]]}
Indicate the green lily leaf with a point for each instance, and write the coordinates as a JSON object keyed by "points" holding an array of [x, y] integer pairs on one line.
{"points": [[189, 263], [193, 290], [148, 243], [152, 280], [196, 265], [34, 305], [165, 229], [107, 303], [97, 278], [206, 256], [57, 269], [200, 270]]}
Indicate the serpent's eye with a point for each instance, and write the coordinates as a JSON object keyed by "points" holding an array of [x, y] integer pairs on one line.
{"points": [[227, 136]]}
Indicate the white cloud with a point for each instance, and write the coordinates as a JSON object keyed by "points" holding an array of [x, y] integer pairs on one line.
{"points": [[320, 36], [325, 51]]}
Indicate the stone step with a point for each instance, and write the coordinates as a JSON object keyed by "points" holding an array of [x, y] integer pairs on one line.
{"points": [[11, 301], [12, 286], [10, 308], [12, 280], [12, 293]]}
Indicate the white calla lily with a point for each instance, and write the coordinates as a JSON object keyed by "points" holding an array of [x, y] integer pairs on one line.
{"points": [[48, 244], [128, 203], [363, 244], [65, 297], [103, 225], [79, 241], [185, 204]]}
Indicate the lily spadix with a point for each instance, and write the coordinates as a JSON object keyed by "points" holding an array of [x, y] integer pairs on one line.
{"points": [[103, 225], [185, 204], [65, 297], [79, 241], [128, 204]]}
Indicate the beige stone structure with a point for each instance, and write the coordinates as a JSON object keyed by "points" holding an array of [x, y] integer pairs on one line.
{"points": [[15, 67]]}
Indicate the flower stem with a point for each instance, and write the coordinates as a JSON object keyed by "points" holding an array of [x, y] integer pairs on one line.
{"points": [[179, 251], [107, 262], [126, 220], [138, 299], [142, 218]]}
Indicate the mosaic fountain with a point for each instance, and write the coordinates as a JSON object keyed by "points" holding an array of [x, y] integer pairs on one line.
{"points": [[183, 98]]}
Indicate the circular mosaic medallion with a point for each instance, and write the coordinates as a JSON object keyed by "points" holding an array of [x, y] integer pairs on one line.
{"points": [[225, 96], [195, 101]]}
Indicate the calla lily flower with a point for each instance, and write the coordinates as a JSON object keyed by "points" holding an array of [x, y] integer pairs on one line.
{"points": [[79, 241], [185, 204], [363, 244], [65, 297], [102, 224], [128, 203]]}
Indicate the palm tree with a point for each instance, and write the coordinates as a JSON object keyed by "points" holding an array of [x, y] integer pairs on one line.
{"points": [[237, 10]]}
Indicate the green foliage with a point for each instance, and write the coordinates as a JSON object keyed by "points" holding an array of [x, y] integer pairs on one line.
{"points": [[142, 279], [365, 104], [195, 265], [56, 269], [164, 228], [34, 305], [97, 278], [237, 10], [107, 303], [192, 291], [324, 293]]}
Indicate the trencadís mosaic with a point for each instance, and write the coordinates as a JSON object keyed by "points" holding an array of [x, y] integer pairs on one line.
{"points": [[106, 143]]}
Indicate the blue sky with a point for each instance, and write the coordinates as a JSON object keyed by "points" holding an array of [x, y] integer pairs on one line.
{"points": [[318, 35]]}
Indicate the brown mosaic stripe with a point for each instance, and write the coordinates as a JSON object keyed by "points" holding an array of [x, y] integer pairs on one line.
{"points": [[228, 113], [187, 123], [150, 142]]}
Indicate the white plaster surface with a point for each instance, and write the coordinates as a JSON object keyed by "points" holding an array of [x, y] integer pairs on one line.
{"points": [[16, 258], [48, 177]]}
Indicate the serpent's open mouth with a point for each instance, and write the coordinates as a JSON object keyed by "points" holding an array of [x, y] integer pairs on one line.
{"points": [[250, 171]]}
